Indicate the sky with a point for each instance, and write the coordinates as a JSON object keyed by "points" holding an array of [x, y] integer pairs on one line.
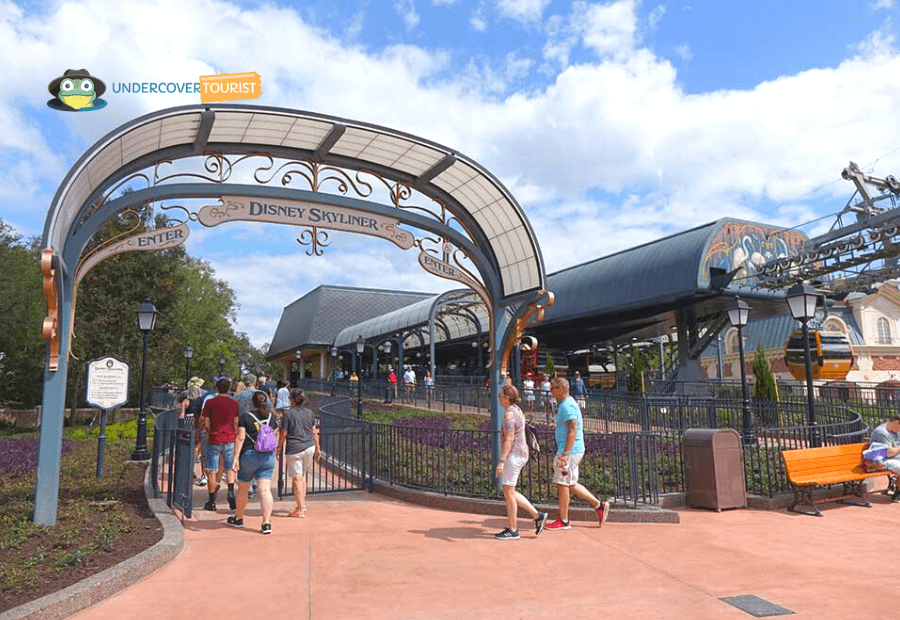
{"points": [[612, 123]]}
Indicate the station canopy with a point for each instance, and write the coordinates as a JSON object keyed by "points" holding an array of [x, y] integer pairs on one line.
{"points": [[458, 314]]}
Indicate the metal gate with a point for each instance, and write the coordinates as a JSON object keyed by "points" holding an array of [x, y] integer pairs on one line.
{"points": [[172, 465], [346, 446]]}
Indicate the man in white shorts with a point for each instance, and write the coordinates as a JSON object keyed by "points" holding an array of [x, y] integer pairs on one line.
{"points": [[569, 452]]}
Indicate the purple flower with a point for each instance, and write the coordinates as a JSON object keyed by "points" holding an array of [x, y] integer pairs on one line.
{"points": [[18, 455]]}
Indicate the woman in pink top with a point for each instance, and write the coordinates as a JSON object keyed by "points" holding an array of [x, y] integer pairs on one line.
{"points": [[513, 456]]}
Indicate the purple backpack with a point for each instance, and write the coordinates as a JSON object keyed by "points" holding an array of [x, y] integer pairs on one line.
{"points": [[266, 440]]}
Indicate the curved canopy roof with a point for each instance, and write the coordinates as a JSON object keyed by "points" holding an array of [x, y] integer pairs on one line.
{"points": [[481, 204], [460, 312]]}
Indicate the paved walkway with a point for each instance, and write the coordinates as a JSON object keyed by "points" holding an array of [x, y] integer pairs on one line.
{"points": [[360, 556]]}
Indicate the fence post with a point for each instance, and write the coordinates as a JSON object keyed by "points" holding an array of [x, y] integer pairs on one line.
{"points": [[645, 413], [371, 434]]}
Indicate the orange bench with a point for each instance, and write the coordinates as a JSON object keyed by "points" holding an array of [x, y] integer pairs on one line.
{"points": [[809, 468]]}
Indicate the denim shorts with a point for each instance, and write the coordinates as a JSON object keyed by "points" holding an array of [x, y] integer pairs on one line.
{"points": [[212, 456], [259, 465]]}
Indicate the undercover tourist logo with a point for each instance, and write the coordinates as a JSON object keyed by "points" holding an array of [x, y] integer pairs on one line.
{"points": [[76, 91]]}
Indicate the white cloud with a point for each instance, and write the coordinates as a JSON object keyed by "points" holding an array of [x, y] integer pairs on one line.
{"points": [[523, 10], [656, 15], [609, 28], [612, 152], [876, 5], [684, 52], [878, 43], [443, 2], [407, 11], [477, 20]]}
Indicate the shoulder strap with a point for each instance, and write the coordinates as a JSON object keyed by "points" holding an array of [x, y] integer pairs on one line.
{"points": [[250, 413]]}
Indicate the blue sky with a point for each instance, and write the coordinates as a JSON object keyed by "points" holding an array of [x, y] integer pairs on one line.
{"points": [[613, 123]]}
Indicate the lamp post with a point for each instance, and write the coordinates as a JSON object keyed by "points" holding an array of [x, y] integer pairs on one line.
{"points": [[333, 368], [188, 354], [243, 357], [738, 313], [360, 347], [298, 358], [146, 315], [221, 364], [801, 299]]}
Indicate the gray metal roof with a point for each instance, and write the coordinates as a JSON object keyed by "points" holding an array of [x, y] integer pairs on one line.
{"points": [[454, 322], [316, 318], [638, 290]]}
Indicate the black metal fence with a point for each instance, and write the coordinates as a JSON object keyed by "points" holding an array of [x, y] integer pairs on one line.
{"points": [[635, 445], [343, 444], [172, 464], [458, 462]]}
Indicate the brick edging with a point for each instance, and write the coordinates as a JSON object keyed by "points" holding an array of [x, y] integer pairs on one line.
{"points": [[87, 592]]}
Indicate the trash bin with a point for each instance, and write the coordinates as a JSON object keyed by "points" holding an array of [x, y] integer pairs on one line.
{"points": [[714, 468]]}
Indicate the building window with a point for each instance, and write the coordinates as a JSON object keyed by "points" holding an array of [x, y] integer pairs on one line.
{"points": [[834, 325], [731, 341], [884, 331]]}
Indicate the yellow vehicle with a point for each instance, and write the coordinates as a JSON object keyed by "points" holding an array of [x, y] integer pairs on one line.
{"points": [[831, 355]]}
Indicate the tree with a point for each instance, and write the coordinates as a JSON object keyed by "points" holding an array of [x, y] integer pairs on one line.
{"points": [[549, 366], [764, 388], [22, 311], [765, 393], [636, 366]]}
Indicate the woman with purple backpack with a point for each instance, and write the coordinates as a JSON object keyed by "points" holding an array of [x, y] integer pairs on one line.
{"points": [[254, 457]]}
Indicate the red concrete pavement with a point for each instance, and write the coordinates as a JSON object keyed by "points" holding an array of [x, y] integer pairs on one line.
{"points": [[361, 556]]}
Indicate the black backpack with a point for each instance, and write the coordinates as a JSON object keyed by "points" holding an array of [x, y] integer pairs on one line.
{"points": [[196, 406], [531, 440]]}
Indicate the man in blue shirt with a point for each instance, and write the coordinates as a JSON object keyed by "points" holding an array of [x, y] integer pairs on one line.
{"points": [[569, 452], [887, 436]]}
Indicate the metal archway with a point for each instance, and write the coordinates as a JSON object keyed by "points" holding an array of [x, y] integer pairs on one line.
{"points": [[474, 230]]}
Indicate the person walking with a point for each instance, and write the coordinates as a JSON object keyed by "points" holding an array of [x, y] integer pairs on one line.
{"points": [[283, 398], [391, 392], [513, 457], [569, 452], [409, 381], [220, 420], [528, 390], [578, 391], [299, 436], [252, 464]]}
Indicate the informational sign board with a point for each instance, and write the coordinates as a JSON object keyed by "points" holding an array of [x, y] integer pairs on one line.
{"points": [[107, 383]]}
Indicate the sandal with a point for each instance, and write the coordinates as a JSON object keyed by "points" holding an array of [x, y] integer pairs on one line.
{"points": [[296, 512]]}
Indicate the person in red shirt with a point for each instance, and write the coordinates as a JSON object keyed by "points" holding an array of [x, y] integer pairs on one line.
{"points": [[220, 419]]}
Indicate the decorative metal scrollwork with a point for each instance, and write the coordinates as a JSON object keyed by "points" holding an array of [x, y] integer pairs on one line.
{"points": [[316, 238]]}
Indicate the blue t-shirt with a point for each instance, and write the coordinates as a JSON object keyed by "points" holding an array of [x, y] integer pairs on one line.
{"points": [[568, 410], [883, 438]]}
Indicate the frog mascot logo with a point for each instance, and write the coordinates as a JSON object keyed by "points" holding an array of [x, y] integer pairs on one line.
{"points": [[76, 91]]}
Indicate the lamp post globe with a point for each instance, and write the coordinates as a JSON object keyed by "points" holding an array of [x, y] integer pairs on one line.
{"points": [[221, 364], [738, 315], [146, 316], [360, 347], [334, 353], [802, 299], [188, 354]]}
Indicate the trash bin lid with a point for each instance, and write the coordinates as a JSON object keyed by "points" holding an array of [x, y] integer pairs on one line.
{"points": [[722, 437]]}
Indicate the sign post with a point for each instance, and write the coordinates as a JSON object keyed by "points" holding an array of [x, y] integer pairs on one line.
{"points": [[107, 388]]}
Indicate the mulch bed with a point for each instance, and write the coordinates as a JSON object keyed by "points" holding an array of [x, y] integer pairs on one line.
{"points": [[99, 524]]}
